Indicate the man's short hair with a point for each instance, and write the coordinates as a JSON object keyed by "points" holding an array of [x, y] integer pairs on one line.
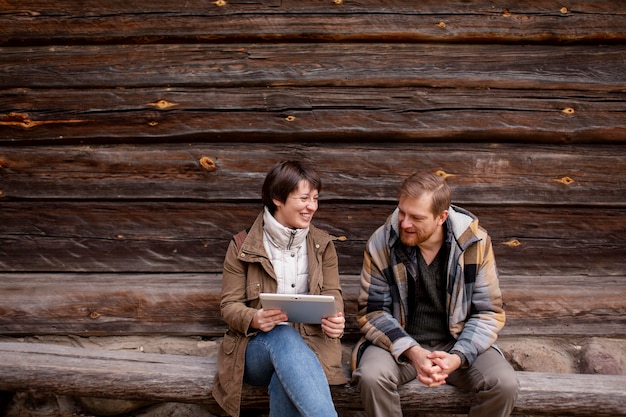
{"points": [[420, 183]]}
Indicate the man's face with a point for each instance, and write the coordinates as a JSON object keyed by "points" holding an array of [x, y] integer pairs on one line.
{"points": [[417, 222]]}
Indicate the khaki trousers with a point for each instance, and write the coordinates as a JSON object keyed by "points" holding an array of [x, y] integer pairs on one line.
{"points": [[491, 377]]}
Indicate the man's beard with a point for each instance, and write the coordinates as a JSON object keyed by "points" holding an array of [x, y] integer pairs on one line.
{"points": [[413, 239]]}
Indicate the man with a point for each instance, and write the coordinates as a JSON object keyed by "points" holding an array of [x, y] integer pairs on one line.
{"points": [[430, 305]]}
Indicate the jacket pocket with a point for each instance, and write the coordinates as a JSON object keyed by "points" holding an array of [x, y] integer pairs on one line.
{"points": [[311, 330], [230, 342]]}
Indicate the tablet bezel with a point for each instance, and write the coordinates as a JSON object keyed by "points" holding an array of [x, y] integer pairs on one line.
{"points": [[300, 308]]}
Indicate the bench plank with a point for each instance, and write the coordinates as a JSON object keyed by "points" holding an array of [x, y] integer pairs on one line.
{"points": [[176, 378], [108, 374]]}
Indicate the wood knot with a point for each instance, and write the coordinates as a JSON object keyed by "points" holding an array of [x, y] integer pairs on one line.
{"points": [[342, 238], [338, 1], [513, 243], [290, 118], [506, 13], [564, 10], [443, 174], [3, 164], [94, 315], [442, 25], [566, 180], [17, 119], [23, 120], [208, 164], [163, 104], [220, 3], [568, 110]]}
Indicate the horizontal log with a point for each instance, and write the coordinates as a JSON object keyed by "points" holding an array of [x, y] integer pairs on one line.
{"points": [[111, 304], [479, 174], [45, 22], [108, 374], [188, 304], [177, 378], [163, 236], [538, 67], [334, 115]]}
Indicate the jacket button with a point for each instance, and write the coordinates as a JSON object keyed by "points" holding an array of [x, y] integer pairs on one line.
{"points": [[243, 255], [317, 245]]}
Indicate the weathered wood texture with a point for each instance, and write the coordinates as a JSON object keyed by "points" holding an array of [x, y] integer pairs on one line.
{"points": [[163, 208], [492, 174], [141, 149], [138, 148], [314, 93], [134, 138], [188, 304], [142, 21], [317, 65], [192, 237], [160, 377]]}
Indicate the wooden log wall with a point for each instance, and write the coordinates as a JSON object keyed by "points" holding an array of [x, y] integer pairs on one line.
{"points": [[134, 138]]}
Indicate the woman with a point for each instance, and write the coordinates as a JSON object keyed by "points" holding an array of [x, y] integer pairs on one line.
{"points": [[281, 253]]}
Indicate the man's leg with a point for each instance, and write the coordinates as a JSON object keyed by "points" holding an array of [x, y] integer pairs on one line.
{"points": [[493, 380], [378, 377]]}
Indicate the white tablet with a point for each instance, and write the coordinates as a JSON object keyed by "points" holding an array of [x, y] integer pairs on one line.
{"points": [[300, 308]]}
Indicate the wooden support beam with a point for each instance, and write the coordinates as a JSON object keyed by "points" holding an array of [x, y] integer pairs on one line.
{"points": [[188, 304]]}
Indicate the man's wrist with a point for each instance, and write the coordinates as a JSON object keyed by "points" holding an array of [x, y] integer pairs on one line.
{"points": [[464, 361]]}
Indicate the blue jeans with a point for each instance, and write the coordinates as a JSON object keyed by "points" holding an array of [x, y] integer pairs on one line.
{"points": [[282, 360]]}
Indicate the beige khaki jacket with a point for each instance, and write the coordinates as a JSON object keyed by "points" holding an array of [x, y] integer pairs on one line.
{"points": [[247, 273]]}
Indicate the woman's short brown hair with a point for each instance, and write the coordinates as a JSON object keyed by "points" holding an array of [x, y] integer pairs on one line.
{"points": [[283, 178]]}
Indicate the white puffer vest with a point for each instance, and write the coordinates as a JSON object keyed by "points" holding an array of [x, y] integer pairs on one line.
{"points": [[287, 251]]}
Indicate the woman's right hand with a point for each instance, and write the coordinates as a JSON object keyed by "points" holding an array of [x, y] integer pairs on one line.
{"points": [[266, 320]]}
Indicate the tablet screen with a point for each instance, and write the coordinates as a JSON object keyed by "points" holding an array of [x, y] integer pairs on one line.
{"points": [[300, 308]]}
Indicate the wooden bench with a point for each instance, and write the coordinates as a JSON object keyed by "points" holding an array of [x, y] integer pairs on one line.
{"points": [[176, 378], [134, 139]]}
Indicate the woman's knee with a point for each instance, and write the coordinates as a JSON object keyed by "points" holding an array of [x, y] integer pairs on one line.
{"points": [[284, 335]]}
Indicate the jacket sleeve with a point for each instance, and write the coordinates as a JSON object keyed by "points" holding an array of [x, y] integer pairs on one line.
{"points": [[236, 292], [330, 276], [380, 315], [486, 314]]}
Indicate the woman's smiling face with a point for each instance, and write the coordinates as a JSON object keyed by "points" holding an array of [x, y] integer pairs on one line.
{"points": [[297, 211]]}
